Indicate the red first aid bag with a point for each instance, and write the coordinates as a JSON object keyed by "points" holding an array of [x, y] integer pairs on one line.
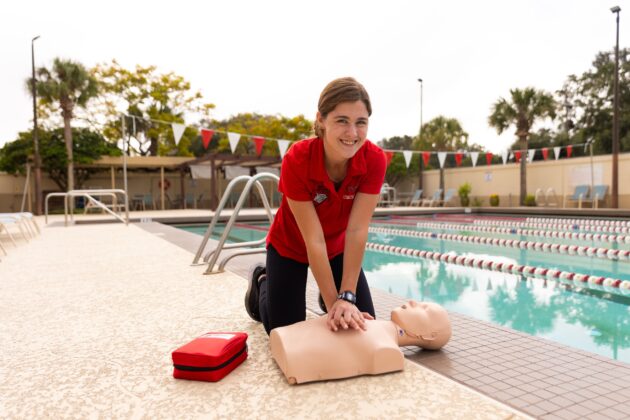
{"points": [[210, 357]]}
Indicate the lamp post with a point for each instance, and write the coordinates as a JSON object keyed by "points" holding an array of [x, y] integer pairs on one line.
{"points": [[615, 139], [38, 162], [420, 136]]}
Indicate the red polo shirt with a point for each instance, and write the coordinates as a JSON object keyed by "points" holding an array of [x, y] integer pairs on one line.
{"points": [[303, 177]]}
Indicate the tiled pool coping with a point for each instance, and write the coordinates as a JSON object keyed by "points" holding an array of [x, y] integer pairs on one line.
{"points": [[534, 375]]}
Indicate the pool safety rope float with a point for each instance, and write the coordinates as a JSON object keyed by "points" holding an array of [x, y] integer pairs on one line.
{"points": [[597, 222], [524, 270], [597, 237], [591, 251], [555, 226]]}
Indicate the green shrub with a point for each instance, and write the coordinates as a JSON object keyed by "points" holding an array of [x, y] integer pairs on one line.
{"points": [[494, 200], [463, 192], [530, 200]]}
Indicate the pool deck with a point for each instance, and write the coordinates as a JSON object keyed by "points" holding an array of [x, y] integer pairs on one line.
{"points": [[91, 313]]}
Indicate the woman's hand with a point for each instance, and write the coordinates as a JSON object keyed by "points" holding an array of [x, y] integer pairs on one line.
{"points": [[345, 315]]}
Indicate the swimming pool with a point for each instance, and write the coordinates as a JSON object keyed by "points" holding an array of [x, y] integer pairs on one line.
{"points": [[562, 279]]}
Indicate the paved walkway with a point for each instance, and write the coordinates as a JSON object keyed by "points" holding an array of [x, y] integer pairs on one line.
{"points": [[91, 313]]}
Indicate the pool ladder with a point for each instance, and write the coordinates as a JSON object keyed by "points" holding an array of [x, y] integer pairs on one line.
{"points": [[253, 246]]}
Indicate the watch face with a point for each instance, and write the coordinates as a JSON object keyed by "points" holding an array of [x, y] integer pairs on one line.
{"points": [[348, 296]]}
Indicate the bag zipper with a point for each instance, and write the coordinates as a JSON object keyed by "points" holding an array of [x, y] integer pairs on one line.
{"points": [[209, 369]]}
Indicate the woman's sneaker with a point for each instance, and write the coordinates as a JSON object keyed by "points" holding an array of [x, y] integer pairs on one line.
{"points": [[256, 274]]}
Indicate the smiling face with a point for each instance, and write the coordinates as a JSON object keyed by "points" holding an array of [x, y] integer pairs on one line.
{"points": [[344, 129]]}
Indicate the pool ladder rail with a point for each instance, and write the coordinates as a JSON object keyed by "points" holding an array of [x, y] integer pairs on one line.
{"points": [[253, 246]]}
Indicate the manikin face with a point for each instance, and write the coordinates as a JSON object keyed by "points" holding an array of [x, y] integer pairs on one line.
{"points": [[422, 319], [345, 129]]}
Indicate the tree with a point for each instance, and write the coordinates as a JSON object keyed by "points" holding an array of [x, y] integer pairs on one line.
{"points": [[442, 134], [153, 98], [87, 147], [524, 108], [69, 84], [591, 97], [268, 126], [398, 168]]}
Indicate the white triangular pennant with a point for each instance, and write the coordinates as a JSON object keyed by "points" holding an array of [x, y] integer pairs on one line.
{"points": [[178, 131], [441, 158], [504, 156], [233, 138], [407, 155], [530, 155], [282, 146], [474, 156], [556, 152]]}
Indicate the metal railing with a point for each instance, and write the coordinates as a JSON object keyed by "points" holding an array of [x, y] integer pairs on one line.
{"points": [[212, 257], [89, 195]]}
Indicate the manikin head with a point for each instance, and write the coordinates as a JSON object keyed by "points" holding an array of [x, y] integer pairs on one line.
{"points": [[424, 322]]}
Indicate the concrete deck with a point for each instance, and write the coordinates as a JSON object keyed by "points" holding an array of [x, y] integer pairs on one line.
{"points": [[91, 313]]}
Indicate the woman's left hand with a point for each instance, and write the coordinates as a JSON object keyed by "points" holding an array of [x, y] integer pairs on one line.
{"points": [[345, 315]]}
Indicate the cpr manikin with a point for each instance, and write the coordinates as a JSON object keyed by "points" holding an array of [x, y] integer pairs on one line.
{"points": [[309, 351]]}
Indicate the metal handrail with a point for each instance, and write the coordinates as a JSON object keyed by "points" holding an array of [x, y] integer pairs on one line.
{"points": [[214, 255], [89, 195]]}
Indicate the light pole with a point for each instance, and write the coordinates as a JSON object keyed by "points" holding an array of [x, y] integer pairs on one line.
{"points": [[420, 80], [38, 162], [615, 139], [420, 137]]}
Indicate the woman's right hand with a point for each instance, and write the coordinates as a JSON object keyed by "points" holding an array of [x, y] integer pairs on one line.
{"points": [[345, 315]]}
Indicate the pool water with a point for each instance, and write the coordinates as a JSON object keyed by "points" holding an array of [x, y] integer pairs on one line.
{"points": [[583, 316]]}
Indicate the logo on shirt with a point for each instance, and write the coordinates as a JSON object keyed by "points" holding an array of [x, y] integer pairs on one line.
{"points": [[321, 194]]}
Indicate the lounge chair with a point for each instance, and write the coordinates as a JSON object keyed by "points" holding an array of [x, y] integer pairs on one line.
{"points": [[580, 195], [449, 196], [435, 199], [416, 199], [598, 194]]}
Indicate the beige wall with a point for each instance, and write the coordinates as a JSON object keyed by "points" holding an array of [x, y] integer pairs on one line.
{"points": [[561, 175]]}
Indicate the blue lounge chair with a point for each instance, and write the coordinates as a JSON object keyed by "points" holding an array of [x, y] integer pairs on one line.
{"points": [[598, 194], [416, 199], [580, 195]]}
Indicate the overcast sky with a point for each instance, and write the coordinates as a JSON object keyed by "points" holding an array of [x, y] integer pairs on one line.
{"points": [[275, 56]]}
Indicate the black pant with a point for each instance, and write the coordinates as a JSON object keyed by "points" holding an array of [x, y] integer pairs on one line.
{"points": [[282, 298]]}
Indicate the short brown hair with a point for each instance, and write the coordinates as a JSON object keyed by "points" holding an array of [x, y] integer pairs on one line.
{"points": [[344, 89]]}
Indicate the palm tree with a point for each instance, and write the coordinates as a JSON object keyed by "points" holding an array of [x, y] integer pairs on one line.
{"points": [[69, 84], [526, 106]]}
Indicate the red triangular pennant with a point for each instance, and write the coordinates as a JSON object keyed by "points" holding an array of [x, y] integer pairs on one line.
{"points": [[545, 153], [569, 150], [258, 142], [389, 156], [425, 157], [488, 158], [517, 156], [458, 158], [206, 136]]}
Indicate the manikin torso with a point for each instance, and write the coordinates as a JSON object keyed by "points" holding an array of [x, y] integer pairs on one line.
{"points": [[309, 351]]}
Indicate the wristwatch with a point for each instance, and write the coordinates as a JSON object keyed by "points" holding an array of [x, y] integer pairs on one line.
{"points": [[348, 296]]}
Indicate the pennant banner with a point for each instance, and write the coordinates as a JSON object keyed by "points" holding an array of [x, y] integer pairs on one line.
{"points": [[206, 136], [458, 158], [517, 156], [545, 153], [233, 138], [504, 156], [530, 155], [488, 158], [389, 156], [178, 131], [442, 158], [425, 157], [556, 152], [474, 156], [282, 146], [569, 150], [258, 142], [407, 155]]}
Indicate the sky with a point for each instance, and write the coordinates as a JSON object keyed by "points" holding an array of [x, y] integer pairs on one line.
{"points": [[276, 56]]}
